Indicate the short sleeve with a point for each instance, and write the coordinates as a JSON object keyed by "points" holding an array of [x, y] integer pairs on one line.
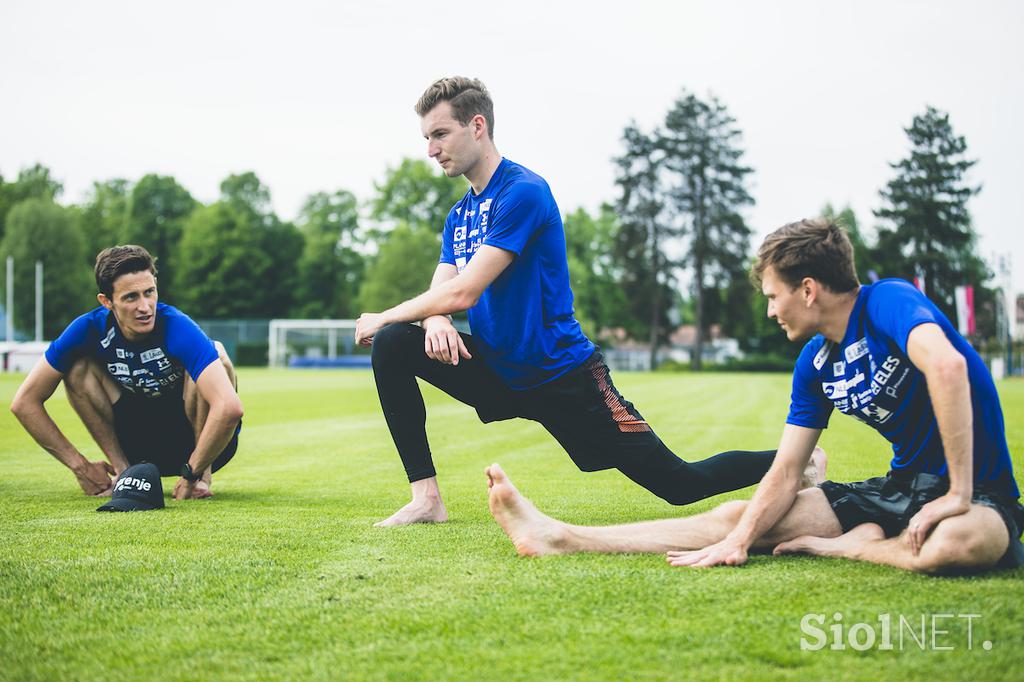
{"points": [[72, 344], [517, 215], [187, 342], [447, 239], [896, 307], [808, 406]]}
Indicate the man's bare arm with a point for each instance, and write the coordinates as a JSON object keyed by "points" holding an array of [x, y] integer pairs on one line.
{"points": [[452, 295], [216, 389], [949, 390], [30, 409]]}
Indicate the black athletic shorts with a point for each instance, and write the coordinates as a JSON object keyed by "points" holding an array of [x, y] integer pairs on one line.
{"points": [[583, 410], [892, 500], [156, 430]]}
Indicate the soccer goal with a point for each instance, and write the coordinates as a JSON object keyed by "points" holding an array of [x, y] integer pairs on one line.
{"points": [[315, 343]]}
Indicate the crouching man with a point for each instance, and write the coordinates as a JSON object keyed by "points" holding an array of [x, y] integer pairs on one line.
{"points": [[148, 384], [883, 354]]}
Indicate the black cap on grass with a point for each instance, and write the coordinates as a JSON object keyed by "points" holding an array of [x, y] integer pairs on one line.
{"points": [[138, 488]]}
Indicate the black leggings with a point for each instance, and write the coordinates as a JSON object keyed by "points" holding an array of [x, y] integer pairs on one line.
{"points": [[582, 409]]}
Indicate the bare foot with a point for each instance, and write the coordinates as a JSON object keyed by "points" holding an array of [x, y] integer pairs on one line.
{"points": [[532, 533], [835, 547], [815, 471], [417, 511]]}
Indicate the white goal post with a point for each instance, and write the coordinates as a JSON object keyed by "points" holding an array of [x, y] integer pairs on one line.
{"points": [[290, 340]]}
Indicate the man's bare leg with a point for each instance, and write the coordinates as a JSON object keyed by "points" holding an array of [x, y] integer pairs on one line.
{"points": [[426, 506], [535, 534], [197, 410], [92, 394], [814, 473], [969, 542]]}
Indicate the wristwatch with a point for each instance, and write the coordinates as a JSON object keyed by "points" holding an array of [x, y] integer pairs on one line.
{"points": [[188, 474]]}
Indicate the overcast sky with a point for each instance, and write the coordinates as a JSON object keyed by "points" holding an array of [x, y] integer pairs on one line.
{"points": [[318, 95]]}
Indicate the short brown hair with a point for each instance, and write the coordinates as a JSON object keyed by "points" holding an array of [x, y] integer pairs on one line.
{"points": [[467, 96], [817, 248], [121, 260]]}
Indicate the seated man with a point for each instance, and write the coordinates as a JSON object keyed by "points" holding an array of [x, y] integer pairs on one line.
{"points": [[148, 384], [884, 354]]}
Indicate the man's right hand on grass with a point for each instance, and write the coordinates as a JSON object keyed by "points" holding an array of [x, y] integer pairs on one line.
{"points": [[94, 477]]}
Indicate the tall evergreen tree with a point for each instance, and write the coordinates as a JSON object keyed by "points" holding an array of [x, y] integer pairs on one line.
{"points": [[706, 191], [929, 229], [646, 271]]}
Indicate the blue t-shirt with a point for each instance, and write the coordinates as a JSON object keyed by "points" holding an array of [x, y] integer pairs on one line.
{"points": [[869, 376], [524, 322], [152, 367]]}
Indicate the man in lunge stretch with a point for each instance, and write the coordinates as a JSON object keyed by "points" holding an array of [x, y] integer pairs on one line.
{"points": [[884, 354], [503, 260]]}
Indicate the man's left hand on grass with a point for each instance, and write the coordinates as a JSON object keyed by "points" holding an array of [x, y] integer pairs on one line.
{"points": [[725, 553], [184, 490]]}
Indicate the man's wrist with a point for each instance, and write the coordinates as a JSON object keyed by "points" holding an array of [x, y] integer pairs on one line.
{"points": [[78, 464], [189, 474]]}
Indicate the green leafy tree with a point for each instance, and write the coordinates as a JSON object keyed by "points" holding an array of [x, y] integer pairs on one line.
{"points": [[34, 182], [401, 269], [599, 299], [224, 269], [103, 218], [40, 230], [416, 195], [158, 210], [280, 240], [330, 268], [706, 192], [646, 272], [928, 228]]}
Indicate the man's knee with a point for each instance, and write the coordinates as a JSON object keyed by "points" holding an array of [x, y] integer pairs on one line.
{"points": [[731, 511], [962, 544], [81, 372], [395, 340]]}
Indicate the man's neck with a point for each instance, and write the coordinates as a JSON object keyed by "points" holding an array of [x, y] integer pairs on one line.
{"points": [[482, 171], [835, 321]]}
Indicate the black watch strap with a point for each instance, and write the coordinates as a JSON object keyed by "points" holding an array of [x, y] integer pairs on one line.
{"points": [[188, 474]]}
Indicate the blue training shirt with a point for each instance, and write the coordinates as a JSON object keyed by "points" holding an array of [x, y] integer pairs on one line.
{"points": [[152, 367], [524, 322], [869, 376]]}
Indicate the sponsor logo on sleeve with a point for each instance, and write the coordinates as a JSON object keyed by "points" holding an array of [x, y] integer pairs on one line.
{"points": [[151, 354], [819, 359], [856, 350]]}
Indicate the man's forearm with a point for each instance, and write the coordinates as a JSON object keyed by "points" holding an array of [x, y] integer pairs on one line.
{"points": [[950, 393], [38, 423], [443, 299], [217, 432], [772, 499]]}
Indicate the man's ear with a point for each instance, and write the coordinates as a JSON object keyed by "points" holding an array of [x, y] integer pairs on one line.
{"points": [[104, 301], [809, 288], [479, 124]]}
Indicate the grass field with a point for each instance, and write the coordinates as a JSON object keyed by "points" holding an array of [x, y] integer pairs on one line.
{"points": [[282, 575]]}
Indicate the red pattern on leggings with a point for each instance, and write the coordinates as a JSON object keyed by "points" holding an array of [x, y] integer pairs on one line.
{"points": [[627, 421]]}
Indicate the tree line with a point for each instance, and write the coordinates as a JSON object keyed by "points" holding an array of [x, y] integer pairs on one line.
{"points": [[678, 217]]}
